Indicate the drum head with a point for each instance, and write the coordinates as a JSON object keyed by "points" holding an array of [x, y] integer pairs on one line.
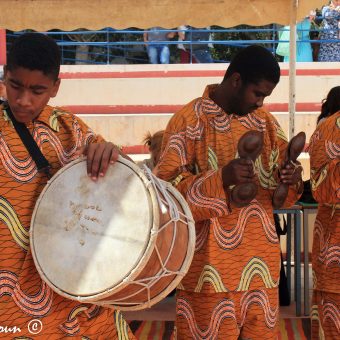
{"points": [[86, 236]]}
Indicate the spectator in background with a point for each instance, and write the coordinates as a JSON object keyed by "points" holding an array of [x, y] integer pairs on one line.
{"points": [[196, 53], [304, 52], [158, 52], [330, 51]]}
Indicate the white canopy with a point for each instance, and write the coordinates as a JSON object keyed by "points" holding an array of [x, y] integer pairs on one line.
{"points": [[43, 15]]}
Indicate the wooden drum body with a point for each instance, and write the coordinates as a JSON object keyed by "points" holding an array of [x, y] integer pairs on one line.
{"points": [[125, 241]]}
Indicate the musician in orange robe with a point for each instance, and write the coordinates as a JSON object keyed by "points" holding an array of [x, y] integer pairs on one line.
{"points": [[28, 307], [324, 150], [231, 289]]}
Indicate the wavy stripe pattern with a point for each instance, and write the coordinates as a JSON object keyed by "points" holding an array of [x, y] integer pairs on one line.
{"points": [[230, 239], [252, 121], [256, 267], [11, 220], [177, 143], [221, 123], [332, 149], [225, 309], [212, 159], [259, 297], [202, 235], [266, 178], [21, 170], [42, 134], [330, 310], [210, 275], [36, 305], [196, 196], [72, 325], [121, 326], [328, 253]]}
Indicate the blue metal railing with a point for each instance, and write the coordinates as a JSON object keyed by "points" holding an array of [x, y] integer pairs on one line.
{"points": [[127, 46]]}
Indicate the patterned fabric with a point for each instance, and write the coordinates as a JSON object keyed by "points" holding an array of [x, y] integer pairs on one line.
{"points": [[237, 249], [324, 153], [23, 295], [330, 51], [294, 328], [325, 316], [248, 315]]}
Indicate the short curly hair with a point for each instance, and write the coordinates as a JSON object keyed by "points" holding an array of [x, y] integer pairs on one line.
{"points": [[254, 63], [35, 51]]}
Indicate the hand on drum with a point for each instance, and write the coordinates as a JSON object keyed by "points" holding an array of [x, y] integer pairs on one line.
{"points": [[99, 156]]}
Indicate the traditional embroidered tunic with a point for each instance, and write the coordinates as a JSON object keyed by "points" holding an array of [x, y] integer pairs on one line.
{"points": [[324, 150]]}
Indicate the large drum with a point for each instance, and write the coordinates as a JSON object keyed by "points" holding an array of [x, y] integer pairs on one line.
{"points": [[124, 241]]}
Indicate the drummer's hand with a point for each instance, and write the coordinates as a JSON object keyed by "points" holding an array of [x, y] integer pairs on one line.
{"points": [[99, 156]]}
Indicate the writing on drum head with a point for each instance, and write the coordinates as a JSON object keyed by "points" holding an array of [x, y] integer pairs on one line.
{"points": [[83, 218]]}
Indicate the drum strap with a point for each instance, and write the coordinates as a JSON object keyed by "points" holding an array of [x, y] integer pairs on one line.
{"points": [[42, 163]]}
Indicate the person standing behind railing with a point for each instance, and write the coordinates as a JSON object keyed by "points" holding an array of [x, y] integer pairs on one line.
{"points": [[330, 51], [196, 53], [304, 51], [158, 51]]}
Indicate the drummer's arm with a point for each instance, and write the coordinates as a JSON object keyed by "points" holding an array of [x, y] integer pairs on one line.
{"points": [[203, 192], [99, 153]]}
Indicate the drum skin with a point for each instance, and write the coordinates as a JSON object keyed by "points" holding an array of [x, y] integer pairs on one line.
{"points": [[111, 242]]}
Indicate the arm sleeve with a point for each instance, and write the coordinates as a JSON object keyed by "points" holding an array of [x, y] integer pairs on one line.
{"points": [[280, 144], [203, 190], [89, 137], [324, 151]]}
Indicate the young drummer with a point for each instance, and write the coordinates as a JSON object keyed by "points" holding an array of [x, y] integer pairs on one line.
{"points": [[27, 305]]}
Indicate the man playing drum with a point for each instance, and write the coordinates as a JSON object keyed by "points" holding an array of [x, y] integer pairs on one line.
{"points": [[231, 289], [28, 307]]}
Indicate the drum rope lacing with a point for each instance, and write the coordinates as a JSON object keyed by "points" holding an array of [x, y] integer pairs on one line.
{"points": [[166, 204], [156, 183]]}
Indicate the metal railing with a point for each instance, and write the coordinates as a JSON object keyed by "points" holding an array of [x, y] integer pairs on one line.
{"points": [[110, 46]]}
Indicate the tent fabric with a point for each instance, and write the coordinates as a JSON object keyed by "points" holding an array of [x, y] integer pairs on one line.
{"points": [[43, 15]]}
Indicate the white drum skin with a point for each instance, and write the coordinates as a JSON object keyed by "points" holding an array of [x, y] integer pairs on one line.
{"points": [[109, 242]]}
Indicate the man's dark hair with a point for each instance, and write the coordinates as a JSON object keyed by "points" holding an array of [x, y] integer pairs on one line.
{"points": [[254, 63], [35, 51]]}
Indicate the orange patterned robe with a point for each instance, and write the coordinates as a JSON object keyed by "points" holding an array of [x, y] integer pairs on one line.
{"points": [[231, 286], [324, 153], [23, 295]]}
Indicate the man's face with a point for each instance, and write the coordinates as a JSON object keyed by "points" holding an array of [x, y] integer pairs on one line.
{"points": [[250, 97], [28, 92]]}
